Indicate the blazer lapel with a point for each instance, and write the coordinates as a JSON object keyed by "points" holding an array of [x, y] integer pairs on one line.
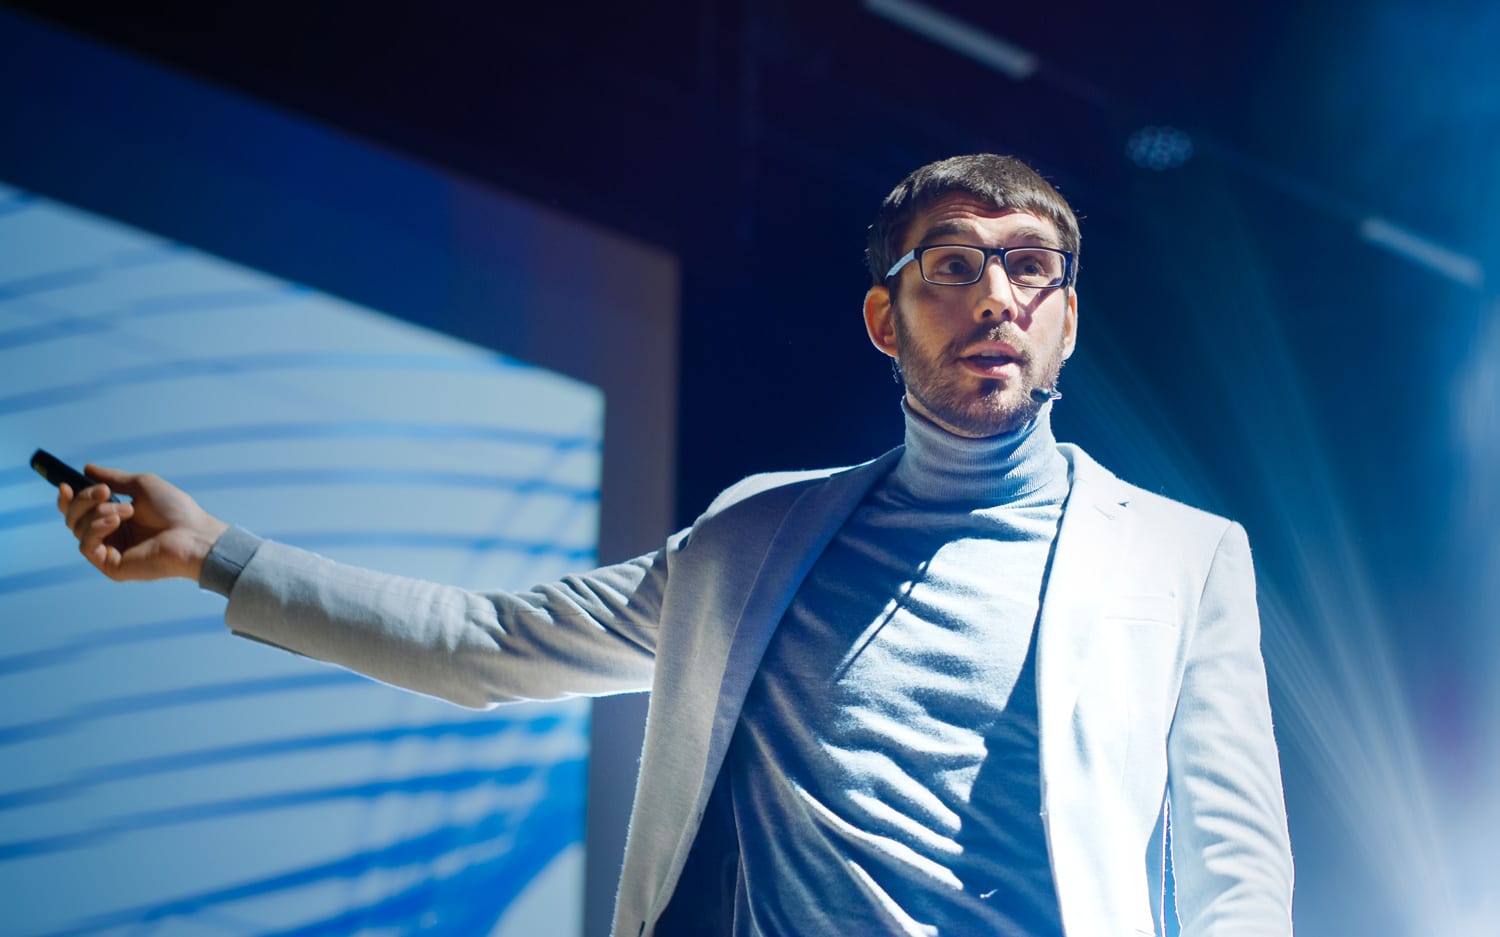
{"points": [[1094, 525], [813, 520], [1095, 528]]}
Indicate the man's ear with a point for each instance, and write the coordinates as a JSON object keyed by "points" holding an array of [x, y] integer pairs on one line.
{"points": [[1070, 325], [880, 320]]}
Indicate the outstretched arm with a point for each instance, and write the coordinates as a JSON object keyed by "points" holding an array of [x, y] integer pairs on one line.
{"points": [[589, 634]]}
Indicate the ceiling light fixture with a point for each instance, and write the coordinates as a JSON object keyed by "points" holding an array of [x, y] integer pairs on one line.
{"points": [[1458, 267]]}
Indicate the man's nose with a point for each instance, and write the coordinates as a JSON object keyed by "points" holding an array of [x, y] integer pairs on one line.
{"points": [[997, 297]]}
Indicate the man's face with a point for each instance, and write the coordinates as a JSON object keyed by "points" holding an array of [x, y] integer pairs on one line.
{"points": [[971, 355]]}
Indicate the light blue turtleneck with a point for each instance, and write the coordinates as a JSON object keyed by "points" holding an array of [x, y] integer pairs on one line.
{"points": [[884, 771]]}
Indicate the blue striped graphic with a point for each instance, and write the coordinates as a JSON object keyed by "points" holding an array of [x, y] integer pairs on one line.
{"points": [[234, 782]]}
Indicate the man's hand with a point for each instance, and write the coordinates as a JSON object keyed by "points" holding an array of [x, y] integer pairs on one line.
{"points": [[162, 533]]}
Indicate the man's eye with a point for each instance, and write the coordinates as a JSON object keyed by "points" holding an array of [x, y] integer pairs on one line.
{"points": [[950, 265], [1034, 267]]}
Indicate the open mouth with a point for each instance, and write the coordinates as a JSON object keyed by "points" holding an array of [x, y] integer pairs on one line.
{"points": [[989, 360], [996, 365]]}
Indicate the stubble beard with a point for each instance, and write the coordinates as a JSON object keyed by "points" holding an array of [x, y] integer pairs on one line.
{"points": [[948, 394]]}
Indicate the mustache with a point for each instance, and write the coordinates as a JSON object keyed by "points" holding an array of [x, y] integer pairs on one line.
{"points": [[999, 332]]}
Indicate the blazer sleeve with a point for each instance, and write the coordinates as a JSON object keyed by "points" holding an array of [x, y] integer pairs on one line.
{"points": [[1231, 855], [590, 634]]}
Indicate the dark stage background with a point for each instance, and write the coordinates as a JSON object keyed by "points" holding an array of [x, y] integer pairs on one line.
{"points": [[1296, 326]]}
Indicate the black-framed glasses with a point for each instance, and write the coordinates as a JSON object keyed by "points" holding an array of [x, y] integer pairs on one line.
{"points": [[1035, 268]]}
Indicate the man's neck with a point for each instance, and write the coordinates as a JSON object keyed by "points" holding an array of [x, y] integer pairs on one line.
{"points": [[945, 467]]}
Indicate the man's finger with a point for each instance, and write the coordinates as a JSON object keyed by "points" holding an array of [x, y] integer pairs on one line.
{"points": [[94, 553], [95, 531], [88, 507], [81, 512]]}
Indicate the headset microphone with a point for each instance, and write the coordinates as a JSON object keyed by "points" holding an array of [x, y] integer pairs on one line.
{"points": [[1044, 394]]}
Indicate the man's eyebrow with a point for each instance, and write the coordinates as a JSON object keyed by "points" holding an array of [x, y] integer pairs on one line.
{"points": [[1031, 233]]}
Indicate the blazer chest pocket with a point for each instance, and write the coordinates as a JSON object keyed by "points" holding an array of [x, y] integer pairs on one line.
{"points": [[1130, 681], [1159, 610]]}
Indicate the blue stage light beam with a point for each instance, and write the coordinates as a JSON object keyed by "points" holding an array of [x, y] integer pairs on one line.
{"points": [[1373, 781], [1328, 637]]}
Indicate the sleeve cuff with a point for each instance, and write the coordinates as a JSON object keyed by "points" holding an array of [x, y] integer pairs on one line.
{"points": [[230, 553]]}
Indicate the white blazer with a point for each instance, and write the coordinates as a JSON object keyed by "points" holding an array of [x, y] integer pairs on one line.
{"points": [[1151, 691]]}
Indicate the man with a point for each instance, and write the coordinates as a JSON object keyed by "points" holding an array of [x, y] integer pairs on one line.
{"points": [[964, 688]]}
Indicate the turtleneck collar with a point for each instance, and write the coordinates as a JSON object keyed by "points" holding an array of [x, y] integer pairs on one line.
{"points": [[940, 467]]}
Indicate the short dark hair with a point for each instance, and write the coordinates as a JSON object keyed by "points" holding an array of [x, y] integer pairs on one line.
{"points": [[1003, 181]]}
